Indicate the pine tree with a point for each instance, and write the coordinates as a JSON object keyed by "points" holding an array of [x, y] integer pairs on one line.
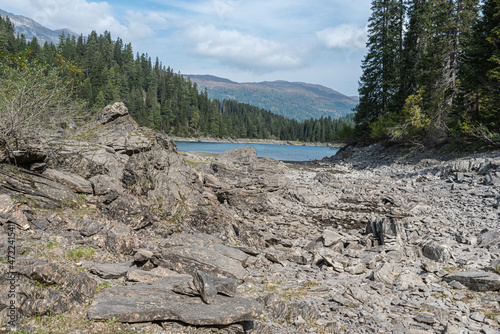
{"points": [[381, 66], [480, 72]]}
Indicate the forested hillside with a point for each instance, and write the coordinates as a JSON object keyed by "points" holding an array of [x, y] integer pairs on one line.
{"points": [[432, 72], [106, 71], [295, 100]]}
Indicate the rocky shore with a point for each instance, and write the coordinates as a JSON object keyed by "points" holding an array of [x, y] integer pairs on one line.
{"points": [[115, 231]]}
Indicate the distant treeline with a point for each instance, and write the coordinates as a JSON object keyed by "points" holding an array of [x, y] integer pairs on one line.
{"points": [[107, 71]]}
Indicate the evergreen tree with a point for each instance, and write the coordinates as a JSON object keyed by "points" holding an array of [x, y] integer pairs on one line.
{"points": [[381, 67], [480, 72]]}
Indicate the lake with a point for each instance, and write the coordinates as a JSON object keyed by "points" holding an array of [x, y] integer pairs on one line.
{"points": [[279, 152]]}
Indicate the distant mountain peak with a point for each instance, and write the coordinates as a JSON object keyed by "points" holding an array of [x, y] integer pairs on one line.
{"points": [[298, 100], [30, 28]]}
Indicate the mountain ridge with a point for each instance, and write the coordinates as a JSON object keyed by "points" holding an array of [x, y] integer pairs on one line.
{"points": [[30, 28], [298, 100]]}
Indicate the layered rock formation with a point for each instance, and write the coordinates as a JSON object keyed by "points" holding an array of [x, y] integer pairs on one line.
{"points": [[114, 224]]}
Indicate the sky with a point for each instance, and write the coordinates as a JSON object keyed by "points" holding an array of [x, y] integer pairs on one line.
{"points": [[314, 41]]}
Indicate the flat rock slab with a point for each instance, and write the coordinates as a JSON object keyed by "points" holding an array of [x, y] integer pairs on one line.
{"points": [[143, 276], [476, 280], [74, 182], [188, 260], [157, 302], [108, 271]]}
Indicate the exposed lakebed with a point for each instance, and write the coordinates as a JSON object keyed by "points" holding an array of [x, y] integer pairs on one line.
{"points": [[274, 151]]}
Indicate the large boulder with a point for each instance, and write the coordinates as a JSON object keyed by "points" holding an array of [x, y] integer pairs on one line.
{"points": [[112, 112], [238, 156], [476, 280]]}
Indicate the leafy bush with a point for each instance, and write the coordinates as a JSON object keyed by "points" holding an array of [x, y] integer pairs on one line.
{"points": [[34, 97]]}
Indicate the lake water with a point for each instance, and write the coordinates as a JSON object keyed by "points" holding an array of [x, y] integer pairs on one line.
{"points": [[279, 152]]}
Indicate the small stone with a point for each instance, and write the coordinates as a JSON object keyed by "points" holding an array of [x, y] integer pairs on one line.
{"points": [[205, 286], [6, 203], [108, 271], [299, 321], [142, 255], [456, 285], [450, 329], [331, 238], [143, 276], [478, 316], [425, 318]]}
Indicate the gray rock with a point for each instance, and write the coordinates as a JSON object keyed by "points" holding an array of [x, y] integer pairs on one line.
{"points": [[143, 276], [62, 290], [387, 231], [490, 239], [436, 252], [387, 273], [74, 182], [477, 316], [188, 260], [45, 192], [105, 185], [142, 255], [331, 238], [125, 136], [426, 318], [16, 217], [119, 239], [226, 286], [88, 228], [112, 112], [205, 286], [239, 156], [157, 302], [6, 203], [408, 281], [476, 280], [108, 271], [451, 329]]}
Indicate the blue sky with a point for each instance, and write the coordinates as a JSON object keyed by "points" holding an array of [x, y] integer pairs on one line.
{"points": [[315, 41]]}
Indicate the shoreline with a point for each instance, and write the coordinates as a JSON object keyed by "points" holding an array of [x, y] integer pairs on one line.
{"points": [[254, 141]]}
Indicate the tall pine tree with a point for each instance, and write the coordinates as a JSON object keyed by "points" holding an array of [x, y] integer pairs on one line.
{"points": [[381, 67], [480, 71]]}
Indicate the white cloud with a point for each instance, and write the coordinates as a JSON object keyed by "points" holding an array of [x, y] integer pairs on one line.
{"points": [[82, 16], [152, 18], [244, 51], [345, 36]]}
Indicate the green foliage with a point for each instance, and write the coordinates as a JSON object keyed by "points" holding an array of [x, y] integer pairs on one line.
{"points": [[80, 253], [381, 77], [436, 76], [34, 96], [379, 128], [412, 122], [479, 111]]}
